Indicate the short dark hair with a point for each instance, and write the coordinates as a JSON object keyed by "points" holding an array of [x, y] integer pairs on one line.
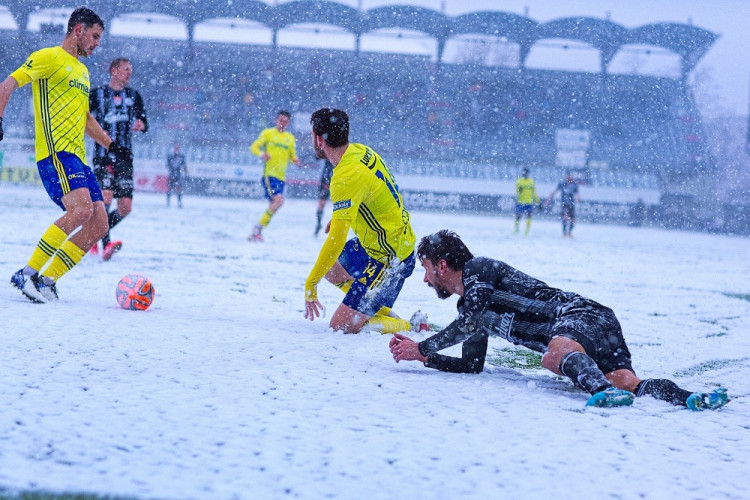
{"points": [[444, 245], [85, 16], [332, 125], [116, 63], [283, 112]]}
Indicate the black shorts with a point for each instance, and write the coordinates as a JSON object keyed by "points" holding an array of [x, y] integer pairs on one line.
{"points": [[174, 184], [600, 334], [324, 191], [114, 175], [569, 211]]}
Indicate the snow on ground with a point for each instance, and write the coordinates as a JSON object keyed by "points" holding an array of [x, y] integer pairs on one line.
{"points": [[222, 390]]}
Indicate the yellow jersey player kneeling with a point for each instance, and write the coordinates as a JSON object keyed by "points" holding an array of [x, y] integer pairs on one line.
{"points": [[371, 267]]}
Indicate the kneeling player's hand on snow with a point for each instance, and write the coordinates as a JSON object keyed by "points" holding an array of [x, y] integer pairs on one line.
{"points": [[313, 307]]}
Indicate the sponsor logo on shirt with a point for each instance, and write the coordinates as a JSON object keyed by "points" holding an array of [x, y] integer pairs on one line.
{"points": [[340, 205], [78, 85], [505, 325]]}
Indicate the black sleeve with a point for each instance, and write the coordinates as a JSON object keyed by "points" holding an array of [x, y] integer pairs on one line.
{"points": [[473, 353], [140, 111], [93, 102]]}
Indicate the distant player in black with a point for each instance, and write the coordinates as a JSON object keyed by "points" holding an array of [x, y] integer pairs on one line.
{"points": [[579, 338], [568, 189], [324, 192], [119, 110], [177, 168]]}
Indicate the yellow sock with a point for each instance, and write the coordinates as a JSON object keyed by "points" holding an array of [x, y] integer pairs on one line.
{"points": [[528, 225], [67, 256], [266, 218], [51, 240], [385, 311], [388, 324]]}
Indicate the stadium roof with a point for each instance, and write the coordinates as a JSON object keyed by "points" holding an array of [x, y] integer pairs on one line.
{"points": [[690, 42]]}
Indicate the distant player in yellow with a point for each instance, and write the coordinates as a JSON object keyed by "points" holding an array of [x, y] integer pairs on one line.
{"points": [[526, 199], [372, 266], [61, 114], [276, 147]]}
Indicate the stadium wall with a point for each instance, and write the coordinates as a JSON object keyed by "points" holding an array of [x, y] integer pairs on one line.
{"points": [[440, 194]]}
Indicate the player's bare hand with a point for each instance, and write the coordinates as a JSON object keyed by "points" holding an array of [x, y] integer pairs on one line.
{"points": [[405, 349], [328, 227], [313, 308], [138, 126]]}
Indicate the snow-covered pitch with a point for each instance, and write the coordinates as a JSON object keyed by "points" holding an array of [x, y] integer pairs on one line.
{"points": [[223, 390]]}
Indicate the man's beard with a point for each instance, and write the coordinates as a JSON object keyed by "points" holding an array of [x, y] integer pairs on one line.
{"points": [[82, 52], [319, 153], [442, 293]]}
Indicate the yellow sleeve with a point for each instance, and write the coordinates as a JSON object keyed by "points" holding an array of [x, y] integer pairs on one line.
{"points": [[260, 141], [21, 77], [293, 150], [37, 65], [330, 251], [533, 190]]}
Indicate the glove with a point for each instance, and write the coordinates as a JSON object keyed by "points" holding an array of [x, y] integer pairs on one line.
{"points": [[1, 128], [121, 152]]}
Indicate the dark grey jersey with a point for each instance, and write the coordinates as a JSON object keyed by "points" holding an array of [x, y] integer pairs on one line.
{"points": [[501, 301], [116, 111]]}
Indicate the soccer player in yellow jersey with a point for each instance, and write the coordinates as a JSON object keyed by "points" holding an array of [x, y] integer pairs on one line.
{"points": [[276, 147], [61, 113], [372, 266], [526, 198]]}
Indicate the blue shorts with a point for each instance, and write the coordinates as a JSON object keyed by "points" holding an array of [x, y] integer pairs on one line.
{"points": [[375, 284], [272, 186], [522, 208], [75, 175]]}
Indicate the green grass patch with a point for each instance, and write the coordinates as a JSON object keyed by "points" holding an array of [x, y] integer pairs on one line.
{"points": [[741, 296], [508, 357], [708, 366], [45, 495]]}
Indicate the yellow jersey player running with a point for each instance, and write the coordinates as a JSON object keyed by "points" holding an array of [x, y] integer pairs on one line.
{"points": [[372, 266], [61, 114], [526, 199], [276, 147]]}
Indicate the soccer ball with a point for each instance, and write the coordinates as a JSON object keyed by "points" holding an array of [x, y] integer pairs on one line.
{"points": [[135, 292]]}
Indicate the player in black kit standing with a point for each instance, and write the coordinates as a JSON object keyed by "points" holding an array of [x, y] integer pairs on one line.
{"points": [[119, 110]]}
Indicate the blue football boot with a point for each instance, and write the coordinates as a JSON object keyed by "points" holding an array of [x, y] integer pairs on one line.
{"points": [[699, 401], [610, 398]]}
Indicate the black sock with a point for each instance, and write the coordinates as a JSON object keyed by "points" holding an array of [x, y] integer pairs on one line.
{"points": [[663, 389], [114, 218], [584, 373], [319, 217]]}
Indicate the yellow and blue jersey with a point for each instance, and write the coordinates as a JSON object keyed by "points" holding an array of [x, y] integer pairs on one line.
{"points": [[61, 101], [526, 192], [280, 146], [364, 192]]}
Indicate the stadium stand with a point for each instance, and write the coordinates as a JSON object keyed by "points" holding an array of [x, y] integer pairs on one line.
{"points": [[430, 117]]}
